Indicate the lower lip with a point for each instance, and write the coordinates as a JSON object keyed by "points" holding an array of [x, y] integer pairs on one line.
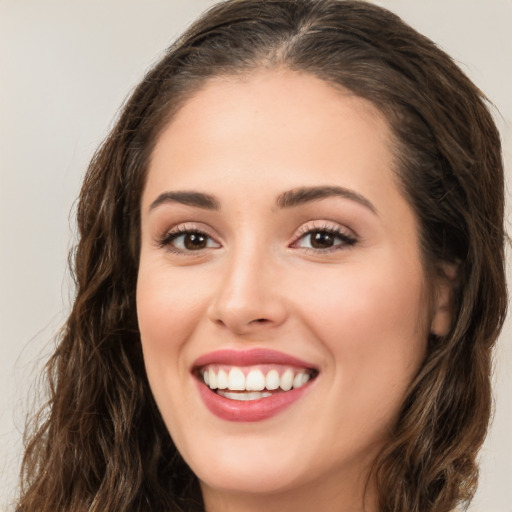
{"points": [[250, 410]]}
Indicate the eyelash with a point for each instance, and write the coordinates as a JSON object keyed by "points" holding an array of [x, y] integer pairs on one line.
{"points": [[171, 236], [347, 240]]}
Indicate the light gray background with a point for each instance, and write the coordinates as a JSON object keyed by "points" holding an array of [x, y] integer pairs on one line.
{"points": [[65, 68]]}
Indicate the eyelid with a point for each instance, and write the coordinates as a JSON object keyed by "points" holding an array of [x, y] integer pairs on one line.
{"points": [[345, 234], [324, 225], [346, 237], [166, 237]]}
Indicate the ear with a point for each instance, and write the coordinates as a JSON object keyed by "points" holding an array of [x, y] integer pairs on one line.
{"points": [[442, 316]]}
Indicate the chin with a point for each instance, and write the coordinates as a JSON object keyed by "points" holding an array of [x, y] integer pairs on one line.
{"points": [[252, 467], [247, 480]]}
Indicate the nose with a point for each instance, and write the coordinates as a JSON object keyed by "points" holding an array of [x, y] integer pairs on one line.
{"points": [[249, 298]]}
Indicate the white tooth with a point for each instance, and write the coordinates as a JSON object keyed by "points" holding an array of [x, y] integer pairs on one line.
{"points": [[244, 397], [222, 379], [255, 381], [236, 380], [256, 395], [300, 379], [212, 379], [272, 380], [297, 380], [206, 377], [286, 381]]}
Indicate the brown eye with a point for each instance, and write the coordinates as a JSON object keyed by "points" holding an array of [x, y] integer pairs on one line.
{"points": [[188, 241], [195, 241], [324, 240]]}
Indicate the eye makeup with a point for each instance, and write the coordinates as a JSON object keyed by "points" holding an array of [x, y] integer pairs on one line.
{"points": [[324, 238]]}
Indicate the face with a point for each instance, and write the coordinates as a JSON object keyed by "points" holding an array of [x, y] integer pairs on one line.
{"points": [[280, 264]]}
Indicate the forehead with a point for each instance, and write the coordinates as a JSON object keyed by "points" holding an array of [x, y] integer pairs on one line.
{"points": [[280, 95], [285, 120]]}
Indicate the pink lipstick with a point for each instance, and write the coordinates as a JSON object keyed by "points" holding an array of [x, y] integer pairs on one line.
{"points": [[251, 385]]}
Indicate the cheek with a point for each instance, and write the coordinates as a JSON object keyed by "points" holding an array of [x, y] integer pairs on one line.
{"points": [[374, 322], [167, 303], [168, 309], [367, 299]]}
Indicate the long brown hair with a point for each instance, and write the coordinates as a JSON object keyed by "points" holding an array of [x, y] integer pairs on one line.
{"points": [[100, 444]]}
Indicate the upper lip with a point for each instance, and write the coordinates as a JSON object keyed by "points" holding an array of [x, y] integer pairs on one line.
{"points": [[250, 357]]}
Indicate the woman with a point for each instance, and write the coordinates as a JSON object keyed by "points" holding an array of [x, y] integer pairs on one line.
{"points": [[289, 277]]}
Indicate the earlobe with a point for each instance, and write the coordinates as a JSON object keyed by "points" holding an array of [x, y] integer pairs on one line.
{"points": [[442, 317]]}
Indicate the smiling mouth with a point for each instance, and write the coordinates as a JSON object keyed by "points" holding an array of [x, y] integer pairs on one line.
{"points": [[250, 383]]}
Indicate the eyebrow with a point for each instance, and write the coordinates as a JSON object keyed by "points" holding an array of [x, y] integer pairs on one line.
{"points": [[302, 195], [288, 199], [197, 199]]}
